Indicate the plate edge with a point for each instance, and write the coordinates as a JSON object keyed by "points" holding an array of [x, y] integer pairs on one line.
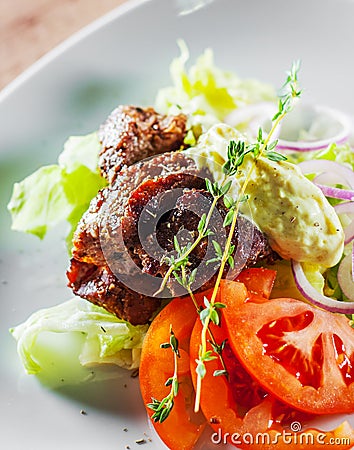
{"points": [[70, 41]]}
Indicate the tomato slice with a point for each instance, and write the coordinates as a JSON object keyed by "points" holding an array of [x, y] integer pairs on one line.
{"points": [[258, 281], [241, 411], [157, 365], [301, 354]]}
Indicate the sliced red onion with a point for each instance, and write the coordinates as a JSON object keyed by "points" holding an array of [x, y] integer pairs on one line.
{"points": [[323, 165], [333, 192], [329, 179], [306, 146], [349, 233], [315, 297], [347, 208], [344, 208], [345, 277], [325, 118], [252, 116]]}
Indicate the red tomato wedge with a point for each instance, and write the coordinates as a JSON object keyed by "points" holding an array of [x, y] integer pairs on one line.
{"points": [[258, 281], [301, 354], [241, 411], [183, 427]]}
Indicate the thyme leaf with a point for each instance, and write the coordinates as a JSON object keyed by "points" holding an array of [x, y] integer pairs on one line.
{"points": [[236, 153], [162, 408]]}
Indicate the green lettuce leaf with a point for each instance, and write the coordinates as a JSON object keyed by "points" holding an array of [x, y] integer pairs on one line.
{"points": [[58, 192], [339, 153], [207, 92], [52, 340], [80, 151]]}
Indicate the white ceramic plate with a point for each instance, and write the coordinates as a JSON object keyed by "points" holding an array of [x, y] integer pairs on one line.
{"points": [[123, 58]]}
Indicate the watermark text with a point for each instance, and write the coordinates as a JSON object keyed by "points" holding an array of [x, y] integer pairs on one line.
{"points": [[293, 436]]}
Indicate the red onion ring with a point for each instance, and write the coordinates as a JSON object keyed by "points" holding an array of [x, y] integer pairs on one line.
{"points": [[346, 208], [345, 277], [329, 179], [342, 136], [323, 165], [333, 192], [255, 115], [315, 297]]}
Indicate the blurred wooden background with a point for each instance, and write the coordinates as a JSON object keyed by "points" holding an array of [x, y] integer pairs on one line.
{"points": [[30, 28]]}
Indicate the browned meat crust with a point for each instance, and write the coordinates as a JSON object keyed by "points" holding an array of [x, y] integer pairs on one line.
{"points": [[109, 204], [188, 205], [101, 287], [131, 134], [151, 198], [115, 264], [102, 253]]}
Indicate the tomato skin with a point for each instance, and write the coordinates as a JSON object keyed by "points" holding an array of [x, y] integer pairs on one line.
{"points": [[221, 409], [258, 281], [157, 365], [182, 428], [245, 321]]}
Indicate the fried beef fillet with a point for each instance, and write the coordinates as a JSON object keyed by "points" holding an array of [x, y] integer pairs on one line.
{"points": [[154, 193]]}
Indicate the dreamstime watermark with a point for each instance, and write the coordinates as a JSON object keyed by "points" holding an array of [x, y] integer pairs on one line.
{"points": [[293, 436]]}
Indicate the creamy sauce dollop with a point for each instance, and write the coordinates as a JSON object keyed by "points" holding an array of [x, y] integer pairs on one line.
{"points": [[288, 208]]}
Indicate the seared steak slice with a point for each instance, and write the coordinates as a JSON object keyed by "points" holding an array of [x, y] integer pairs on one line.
{"points": [[100, 286], [107, 208], [97, 247], [121, 267], [120, 242], [149, 233], [145, 207], [131, 134]]}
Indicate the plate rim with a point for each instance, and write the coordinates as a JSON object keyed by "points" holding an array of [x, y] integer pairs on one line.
{"points": [[95, 26], [76, 37]]}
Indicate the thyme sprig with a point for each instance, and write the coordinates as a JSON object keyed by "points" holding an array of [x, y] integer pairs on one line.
{"points": [[162, 408], [176, 263], [237, 152], [186, 281]]}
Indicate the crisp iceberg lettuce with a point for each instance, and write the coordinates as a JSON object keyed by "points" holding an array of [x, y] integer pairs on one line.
{"points": [[339, 153], [61, 342], [58, 192], [207, 93], [76, 330]]}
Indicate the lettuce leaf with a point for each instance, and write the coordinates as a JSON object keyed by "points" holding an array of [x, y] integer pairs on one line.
{"points": [[342, 154], [207, 92], [52, 340], [58, 192]]}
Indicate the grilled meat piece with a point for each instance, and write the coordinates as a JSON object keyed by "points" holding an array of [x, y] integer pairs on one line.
{"points": [[149, 233], [146, 207], [99, 253], [107, 208], [130, 226], [131, 134], [101, 287]]}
